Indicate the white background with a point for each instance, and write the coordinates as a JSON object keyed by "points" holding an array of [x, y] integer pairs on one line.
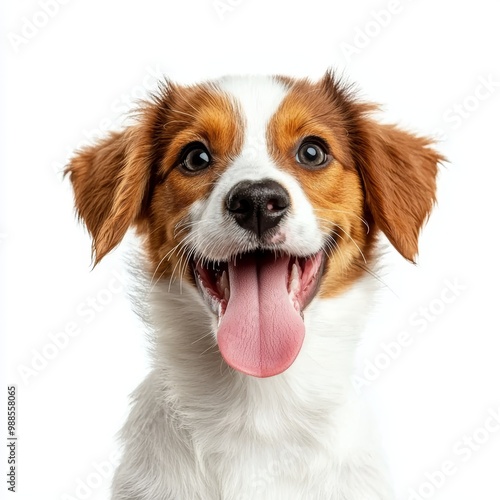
{"points": [[84, 66]]}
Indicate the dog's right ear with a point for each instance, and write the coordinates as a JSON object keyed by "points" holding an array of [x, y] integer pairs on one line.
{"points": [[110, 180]]}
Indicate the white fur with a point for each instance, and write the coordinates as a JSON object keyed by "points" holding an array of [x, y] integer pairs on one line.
{"points": [[200, 430]]}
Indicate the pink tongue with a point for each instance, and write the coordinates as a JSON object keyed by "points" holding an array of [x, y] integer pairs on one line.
{"points": [[260, 333]]}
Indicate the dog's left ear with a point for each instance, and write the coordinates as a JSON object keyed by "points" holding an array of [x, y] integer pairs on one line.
{"points": [[399, 174]]}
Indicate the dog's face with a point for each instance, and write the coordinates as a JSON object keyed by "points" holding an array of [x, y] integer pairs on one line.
{"points": [[264, 193]]}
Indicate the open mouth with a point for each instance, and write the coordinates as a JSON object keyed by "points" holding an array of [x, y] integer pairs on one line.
{"points": [[259, 298]]}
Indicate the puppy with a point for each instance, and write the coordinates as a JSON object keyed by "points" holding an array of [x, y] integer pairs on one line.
{"points": [[258, 201]]}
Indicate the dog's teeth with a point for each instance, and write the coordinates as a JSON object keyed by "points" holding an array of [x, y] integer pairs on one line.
{"points": [[224, 282], [219, 314], [294, 279], [226, 294], [299, 267]]}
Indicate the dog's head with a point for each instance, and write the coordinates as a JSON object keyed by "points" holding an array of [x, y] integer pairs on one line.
{"points": [[263, 192]]}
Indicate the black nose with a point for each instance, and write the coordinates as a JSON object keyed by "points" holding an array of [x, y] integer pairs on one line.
{"points": [[258, 206]]}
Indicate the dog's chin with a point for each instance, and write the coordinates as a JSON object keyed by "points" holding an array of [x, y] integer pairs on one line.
{"points": [[259, 298]]}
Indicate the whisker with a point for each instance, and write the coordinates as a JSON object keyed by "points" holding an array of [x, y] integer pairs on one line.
{"points": [[204, 336], [349, 212], [347, 234], [352, 239], [376, 276], [336, 250], [214, 345], [362, 266]]}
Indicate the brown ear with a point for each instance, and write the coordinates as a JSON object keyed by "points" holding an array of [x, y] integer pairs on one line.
{"points": [[109, 181], [399, 174]]}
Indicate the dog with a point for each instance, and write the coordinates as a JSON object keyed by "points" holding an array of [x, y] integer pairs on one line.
{"points": [[258, 201]]}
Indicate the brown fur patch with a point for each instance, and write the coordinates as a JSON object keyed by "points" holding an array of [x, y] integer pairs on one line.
{"points": [[334, 191], [121, 181], [199, 113], [380, 177]]}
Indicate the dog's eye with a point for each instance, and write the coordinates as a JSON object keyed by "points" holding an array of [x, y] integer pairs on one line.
{"points": [[312, 154], [195, 157]]}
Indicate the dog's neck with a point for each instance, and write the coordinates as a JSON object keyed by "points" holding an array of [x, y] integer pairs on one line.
{"points": [[204, 390]]}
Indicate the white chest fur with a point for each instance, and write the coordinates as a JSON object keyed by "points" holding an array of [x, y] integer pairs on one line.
{"points": [[199, 430]]}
